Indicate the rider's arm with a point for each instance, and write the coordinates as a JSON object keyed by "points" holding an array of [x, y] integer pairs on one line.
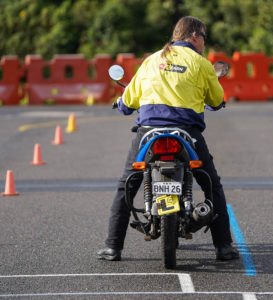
{"points": [[123, 108], [130, 98], [214, 93]]}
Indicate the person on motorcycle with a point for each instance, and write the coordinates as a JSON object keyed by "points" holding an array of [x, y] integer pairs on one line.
{"points": [[171, 88]]}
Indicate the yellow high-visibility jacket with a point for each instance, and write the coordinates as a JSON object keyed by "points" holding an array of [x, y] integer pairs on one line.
{"points": [[173, 91]]}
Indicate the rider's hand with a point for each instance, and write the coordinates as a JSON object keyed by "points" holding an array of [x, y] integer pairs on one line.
{"points": [[115, 104]]}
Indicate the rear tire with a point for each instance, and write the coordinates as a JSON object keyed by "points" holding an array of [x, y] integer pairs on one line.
{"points": [[168, 240]]}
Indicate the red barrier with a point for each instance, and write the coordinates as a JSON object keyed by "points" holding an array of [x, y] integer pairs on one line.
{"points": [[65, 79], [249, 78], [69, 79], [10, 74]]}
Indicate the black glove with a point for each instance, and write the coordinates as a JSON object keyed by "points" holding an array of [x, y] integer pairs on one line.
{"points": [[114, 105]]}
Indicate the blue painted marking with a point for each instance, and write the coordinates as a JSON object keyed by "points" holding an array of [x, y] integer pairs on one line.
{"points": [[242, 246]]}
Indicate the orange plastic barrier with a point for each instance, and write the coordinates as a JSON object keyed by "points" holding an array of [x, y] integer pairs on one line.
{"points": [[10, 74], [68, 79], [249, 78]]}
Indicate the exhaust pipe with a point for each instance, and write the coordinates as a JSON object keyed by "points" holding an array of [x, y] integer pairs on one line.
{"points": [[201, 215]]}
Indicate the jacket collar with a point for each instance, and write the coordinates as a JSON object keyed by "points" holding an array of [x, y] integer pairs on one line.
{"points": [[184, 44]]}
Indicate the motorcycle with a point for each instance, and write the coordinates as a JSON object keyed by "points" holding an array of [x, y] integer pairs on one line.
{"points": [[167, 162]]}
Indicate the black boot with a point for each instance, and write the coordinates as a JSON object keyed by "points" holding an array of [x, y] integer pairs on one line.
{"points": [[109, 254], [226, 252]]}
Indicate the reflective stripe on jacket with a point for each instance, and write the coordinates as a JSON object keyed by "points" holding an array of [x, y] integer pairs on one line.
{"points": [[173, 92]]}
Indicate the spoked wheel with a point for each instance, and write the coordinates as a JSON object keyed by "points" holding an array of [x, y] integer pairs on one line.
{"points": [[168, 240]]}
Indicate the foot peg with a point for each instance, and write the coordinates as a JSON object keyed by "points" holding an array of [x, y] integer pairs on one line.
{"points": [[141, 227]]}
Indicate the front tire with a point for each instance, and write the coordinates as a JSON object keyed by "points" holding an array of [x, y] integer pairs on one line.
{"points": [[168, 240]]}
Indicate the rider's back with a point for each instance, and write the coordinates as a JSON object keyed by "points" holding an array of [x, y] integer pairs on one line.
{"points": [[176, 88]]}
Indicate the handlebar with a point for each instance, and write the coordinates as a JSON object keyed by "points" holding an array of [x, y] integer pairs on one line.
{"points": [[121, 84]]}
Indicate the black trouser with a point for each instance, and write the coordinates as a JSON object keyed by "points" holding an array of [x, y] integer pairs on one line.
{"points": [[120, 214]]}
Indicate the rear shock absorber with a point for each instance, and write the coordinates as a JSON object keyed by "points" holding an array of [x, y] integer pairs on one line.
{"points": [[148, 196], [187, 191]]}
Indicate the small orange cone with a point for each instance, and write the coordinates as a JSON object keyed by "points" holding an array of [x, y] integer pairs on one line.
{"points": [[9, 187], [58, 140], [71, 125], [37, 156]]}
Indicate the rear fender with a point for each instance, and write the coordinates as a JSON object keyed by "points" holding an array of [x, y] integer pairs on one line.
{"points": [[167, 171], [187, 153]]}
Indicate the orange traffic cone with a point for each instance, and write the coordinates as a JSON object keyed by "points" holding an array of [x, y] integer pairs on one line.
{"points": [[37, 156], [71, 125], [58, 140], [9, 187]]}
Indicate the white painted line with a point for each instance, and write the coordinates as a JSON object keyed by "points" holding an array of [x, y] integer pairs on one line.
{"points": [[91, 274], [186, 283], [249, 296], [129, 293]]}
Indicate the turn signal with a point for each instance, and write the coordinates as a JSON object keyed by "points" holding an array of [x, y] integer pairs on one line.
{"points": [[195, 164], [141, 165]]}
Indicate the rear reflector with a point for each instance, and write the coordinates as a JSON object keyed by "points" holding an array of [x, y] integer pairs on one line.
{"points": [[167, 157]]}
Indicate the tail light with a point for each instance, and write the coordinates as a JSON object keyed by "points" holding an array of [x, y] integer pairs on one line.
{"points": [[166, 145]]}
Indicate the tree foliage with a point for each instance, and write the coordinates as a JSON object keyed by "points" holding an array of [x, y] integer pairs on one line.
{"points": [[49, 27]]}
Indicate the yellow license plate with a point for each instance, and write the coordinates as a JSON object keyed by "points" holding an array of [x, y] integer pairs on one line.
{"points": [[167, 204]]}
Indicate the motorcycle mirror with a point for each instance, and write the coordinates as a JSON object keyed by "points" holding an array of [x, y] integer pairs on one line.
{"points": [[116, 72], [221, 68]]}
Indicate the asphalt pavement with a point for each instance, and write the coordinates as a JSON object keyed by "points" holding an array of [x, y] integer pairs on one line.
{"points": [[50, 232]]}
